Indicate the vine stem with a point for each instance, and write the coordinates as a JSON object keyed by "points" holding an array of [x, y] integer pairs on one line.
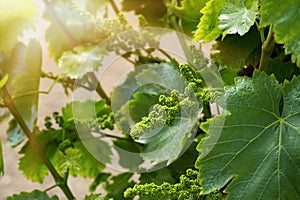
{"points": [[267, 49], [114, 6], [34, 143], [99, 89]]}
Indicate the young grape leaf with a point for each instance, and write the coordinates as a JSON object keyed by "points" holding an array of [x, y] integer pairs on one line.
{"points": [[208, 28], [36, 195], [256, 151], [69, 25], [238, 16], [15, 16], [284, 19], [72, 26], [1, 161], [81, 60], [226, 17], [69, 160], [92, 6]]}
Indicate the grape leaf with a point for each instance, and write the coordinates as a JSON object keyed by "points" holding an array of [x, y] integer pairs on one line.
{"points": [[36, 195], [228, 75], [238, 16], [69, 26], [92, 6], [96, 197], [284, 19], [153, 12], [125, 146], [24, 69], [188, 11], [226, 17], [81, 60], [1, 161], [72, 26], [141, 104], [208, 28], [32, 159], [15, 135], [122, 97], [3, 80], [282, 70], [69, 160], [89, 166], [15, 16], [169, 143], [26, 85], [237, 51], [258, 157], [117, 185]]}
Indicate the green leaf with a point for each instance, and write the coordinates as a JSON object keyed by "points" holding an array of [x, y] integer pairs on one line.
{"points": [[1, 161], [24, 70], [88, 165], [96, 197], [228, 75], [69, 26], [153, 12], [208, 28], [72, 26], [125, 146], [26, 85], [284, 19], [237, 16], [158, 177], [15, 16], [92, 6], [36, 195], [15, 135], [238, 51], [168, 143], [140, 106], [3, 80], [81, 60], [226, 17], [69, 160], [116, 186], [122, 96], [258, 157], [92, 149], [282, 70], [32, 159], [188, 11]]}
